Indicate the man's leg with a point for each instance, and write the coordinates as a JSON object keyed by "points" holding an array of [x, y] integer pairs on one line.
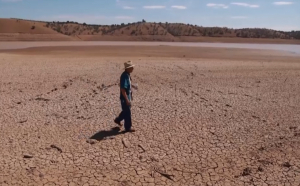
{"points": [[121, 116], [127, 116]]}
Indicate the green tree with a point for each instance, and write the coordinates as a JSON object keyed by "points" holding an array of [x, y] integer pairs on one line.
{"points": [[58, 29]]}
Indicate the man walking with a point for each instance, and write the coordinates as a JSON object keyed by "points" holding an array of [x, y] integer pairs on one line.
{"points": [[126, 97]]}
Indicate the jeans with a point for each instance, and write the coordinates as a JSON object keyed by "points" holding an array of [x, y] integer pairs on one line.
{"points": [[126, 115]]}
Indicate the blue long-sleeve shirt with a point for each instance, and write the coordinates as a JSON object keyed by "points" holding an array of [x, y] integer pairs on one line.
{"points": [[125, 83]]}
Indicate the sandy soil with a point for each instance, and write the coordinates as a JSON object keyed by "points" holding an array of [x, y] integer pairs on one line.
{"points": [[34, 37], [157, 52], [213, 119]]}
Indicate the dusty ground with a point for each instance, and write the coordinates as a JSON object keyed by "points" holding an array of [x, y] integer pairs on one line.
{"points": [[226, 117]]}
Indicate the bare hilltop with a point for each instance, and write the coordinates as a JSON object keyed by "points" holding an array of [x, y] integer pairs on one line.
{"points": [[31, 30]]}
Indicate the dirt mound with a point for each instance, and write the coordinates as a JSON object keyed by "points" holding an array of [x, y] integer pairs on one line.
{"points": [[22, 26], [23, 30]]}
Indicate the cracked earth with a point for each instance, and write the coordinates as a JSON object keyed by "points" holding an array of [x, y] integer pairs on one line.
{"points": [[198, 121]]}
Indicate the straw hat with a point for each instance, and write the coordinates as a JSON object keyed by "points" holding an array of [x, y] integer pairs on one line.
{"points": [[128, 64]]}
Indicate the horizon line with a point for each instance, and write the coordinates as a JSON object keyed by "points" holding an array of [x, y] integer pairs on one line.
{"points": [[91, 24]]}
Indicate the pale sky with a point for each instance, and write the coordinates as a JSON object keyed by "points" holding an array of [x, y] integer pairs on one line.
{"points": [[280, 15]]}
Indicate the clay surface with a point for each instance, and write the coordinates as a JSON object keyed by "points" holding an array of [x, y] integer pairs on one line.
{"points": [[202, 117]]}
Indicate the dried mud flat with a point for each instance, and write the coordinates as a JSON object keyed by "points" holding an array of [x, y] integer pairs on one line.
{"points": [[216, 120]]}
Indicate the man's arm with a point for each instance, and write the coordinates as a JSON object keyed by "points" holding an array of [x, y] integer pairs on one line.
{"points": [[125, 96]]}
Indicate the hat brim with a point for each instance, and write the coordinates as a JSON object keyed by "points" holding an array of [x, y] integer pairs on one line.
{"points": [[129, 66]]}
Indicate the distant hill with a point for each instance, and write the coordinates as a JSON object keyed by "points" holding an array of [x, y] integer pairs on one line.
{"points": [[23, 30], [144, 31]]}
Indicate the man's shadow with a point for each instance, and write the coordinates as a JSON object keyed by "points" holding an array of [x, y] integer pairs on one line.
{"points": [[106, 134]]}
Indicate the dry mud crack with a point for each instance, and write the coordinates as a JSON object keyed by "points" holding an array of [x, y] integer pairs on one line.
{"points": [[198, 122]]}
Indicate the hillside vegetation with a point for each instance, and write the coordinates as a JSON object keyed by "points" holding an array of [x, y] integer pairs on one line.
{"points": [[141, 31], [167, 29]]}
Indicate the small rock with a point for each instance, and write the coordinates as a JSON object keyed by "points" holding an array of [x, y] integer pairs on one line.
{"points": [[91, 141], [287, 164], [209, 184], [142, 147], [260, 169], [27, 156], [246, 171], [109, 138], [265, 162], [42, 99], [23, 121], [57, 148], [125, 142], [53, 161], [65, 85], [154, 158]]}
